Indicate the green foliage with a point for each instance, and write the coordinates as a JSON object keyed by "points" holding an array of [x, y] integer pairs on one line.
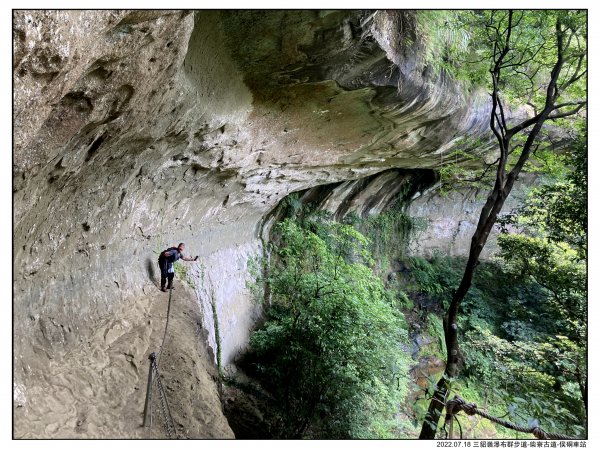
{"points": [[554, 266], [532, 51], [553, 247], [182, 273], [446, 39], [548, 360], [292, 206], [548, 163], [526, 379], [557, 211], [513, 351], [467, 44], [559, 271], [331, 347], [460, 168], [520, 49], [434, 328], [388, 232], [257, 283], [426, 277], [519, 355], [462, 44]]}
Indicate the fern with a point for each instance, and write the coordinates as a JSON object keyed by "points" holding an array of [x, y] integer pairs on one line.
{"points": [[445, 39]]}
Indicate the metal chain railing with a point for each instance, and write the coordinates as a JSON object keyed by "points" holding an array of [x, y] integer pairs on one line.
{"points": [[166, 326], [166, 411], [457, 404], [154, 377]]}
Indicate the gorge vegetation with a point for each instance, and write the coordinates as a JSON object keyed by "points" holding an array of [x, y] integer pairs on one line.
{"points": [[348, 309]]}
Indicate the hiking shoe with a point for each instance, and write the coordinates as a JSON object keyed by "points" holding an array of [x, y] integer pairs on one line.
{"points": [[163, 290]]}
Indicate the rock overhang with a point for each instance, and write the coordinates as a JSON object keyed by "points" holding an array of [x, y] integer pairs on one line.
{"points": [[138, 129]]}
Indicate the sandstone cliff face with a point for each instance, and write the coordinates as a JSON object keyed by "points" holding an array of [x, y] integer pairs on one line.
{"points": [[135, 130]]}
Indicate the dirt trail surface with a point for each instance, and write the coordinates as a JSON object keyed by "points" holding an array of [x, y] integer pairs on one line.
{"points": [[98, 388]]}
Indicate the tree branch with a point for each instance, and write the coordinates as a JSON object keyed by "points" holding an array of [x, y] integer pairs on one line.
{"points": [[568, 113], [523, 61], [571, 103], [482, 175], [521, 126]]}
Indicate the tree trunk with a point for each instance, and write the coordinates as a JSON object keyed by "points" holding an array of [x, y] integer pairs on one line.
{"points": [[505, 180], [438, 401]]}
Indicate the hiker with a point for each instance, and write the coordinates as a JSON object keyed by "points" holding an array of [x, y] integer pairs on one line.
{"points": [[165, 262]]}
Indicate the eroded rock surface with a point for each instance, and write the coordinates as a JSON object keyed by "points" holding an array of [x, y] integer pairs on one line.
{"points": [[135, 130], [97, 388]]}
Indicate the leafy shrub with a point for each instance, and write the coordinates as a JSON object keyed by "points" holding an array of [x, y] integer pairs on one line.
{"points": [[331, 349]]}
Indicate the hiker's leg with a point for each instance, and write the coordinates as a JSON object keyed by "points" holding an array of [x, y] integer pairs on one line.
{"points": [[163, 273], [170, 278]]}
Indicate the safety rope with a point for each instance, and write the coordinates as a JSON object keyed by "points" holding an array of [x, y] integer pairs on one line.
{"points": [[164, 404], [166, 326], [457, 404]]}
